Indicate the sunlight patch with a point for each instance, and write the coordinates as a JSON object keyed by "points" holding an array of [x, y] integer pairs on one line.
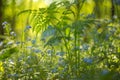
{"points": [[35, 0], [48, 1]]}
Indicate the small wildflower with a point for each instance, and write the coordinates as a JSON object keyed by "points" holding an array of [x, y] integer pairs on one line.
{"points": [[104, 72], [17, 42], [115, 16], [33, 41], [54, 70], [50, 31], [4, 23], [11, 62], [20, 60], [49, 52], [85, 47], [27, 28], [28, 57], [10, 43], [1, 43], [12, 33], [37, 50], [88, 60]]}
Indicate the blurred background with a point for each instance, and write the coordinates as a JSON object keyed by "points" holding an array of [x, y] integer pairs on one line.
{"points": [[59, 47], [9, 10]]}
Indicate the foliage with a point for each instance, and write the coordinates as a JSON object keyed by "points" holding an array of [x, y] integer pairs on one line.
{"points": [[68, 45]]}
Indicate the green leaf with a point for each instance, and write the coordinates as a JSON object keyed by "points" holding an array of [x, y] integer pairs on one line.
{"points": [[66, 18], [25, 11], [8, 53]]}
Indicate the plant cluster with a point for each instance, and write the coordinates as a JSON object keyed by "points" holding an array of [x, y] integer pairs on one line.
{"points": [[68, 45]]}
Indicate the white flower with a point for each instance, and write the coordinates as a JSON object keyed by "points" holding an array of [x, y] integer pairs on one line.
{"points": [[12, 33], [11, 62], [4, 23], [1, 43], [10, 43], [115, 17]]}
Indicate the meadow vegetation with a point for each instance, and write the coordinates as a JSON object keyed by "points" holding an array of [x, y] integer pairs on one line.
{"points": [[61, 43]]}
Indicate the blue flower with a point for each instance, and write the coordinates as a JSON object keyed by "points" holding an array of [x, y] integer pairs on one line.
{"points": [[33, 41], [37, 50], [50, 31], [54, 70], [17, 42], [12, 33], [49, 52], [105, 71], [4, 23], [88, 60], [27, 28]]}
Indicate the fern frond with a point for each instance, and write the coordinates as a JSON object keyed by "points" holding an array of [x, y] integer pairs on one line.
{"points": [[25, 11]]}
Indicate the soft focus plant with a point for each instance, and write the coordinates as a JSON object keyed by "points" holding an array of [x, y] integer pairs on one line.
{"points": [[68, 45]]}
